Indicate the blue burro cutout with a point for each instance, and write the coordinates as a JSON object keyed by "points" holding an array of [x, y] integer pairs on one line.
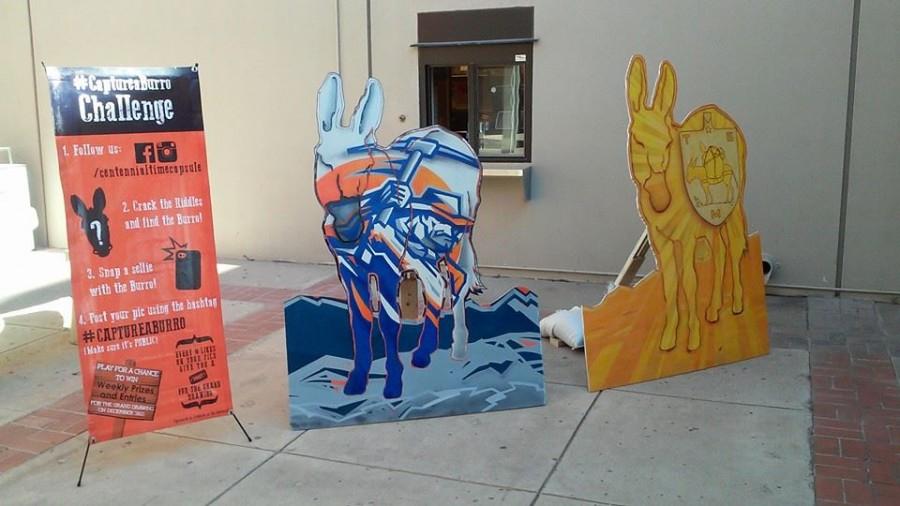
{"points": [[408, 207], [504, 369]]}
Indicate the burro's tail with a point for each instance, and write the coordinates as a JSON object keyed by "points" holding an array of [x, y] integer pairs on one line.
{"points": [[477, 287], [469, 266]]}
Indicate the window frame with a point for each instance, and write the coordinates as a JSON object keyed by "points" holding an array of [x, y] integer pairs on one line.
{"points": [[474, 56], [479, 37]]}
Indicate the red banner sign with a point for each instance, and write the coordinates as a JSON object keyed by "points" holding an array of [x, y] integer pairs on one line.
{"points": [[132, 159]]}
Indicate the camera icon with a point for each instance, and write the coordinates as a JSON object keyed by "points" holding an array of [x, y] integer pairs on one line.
{"points": [[147, 152], [166, 152]]}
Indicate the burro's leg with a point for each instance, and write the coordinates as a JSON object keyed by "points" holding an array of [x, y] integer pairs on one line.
{"points": [[433, 286], [389, 323], [689, 281], [717, 247], [737, 245], [459, 286], [356, 286], [462, 279], [670, 293], [460, 348]]}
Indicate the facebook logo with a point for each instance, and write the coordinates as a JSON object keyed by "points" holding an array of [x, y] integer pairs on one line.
{"points": [[144, 152]]}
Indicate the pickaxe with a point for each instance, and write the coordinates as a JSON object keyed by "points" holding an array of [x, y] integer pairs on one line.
{"points": [[418, 149]]}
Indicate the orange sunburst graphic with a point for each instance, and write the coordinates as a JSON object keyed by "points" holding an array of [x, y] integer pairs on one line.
{"points": [[704, 304]]}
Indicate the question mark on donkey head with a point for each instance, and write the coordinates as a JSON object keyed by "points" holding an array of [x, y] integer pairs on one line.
{"points": [[95, 226], [94, 222]]}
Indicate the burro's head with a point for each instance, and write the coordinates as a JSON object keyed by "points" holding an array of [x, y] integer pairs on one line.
{"points": [[650, 131], [339, 144]]}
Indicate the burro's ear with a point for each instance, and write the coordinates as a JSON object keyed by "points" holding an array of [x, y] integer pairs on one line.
{"points": [[99, 200], [367, 115], [666, 88], [636, 84], [330, 103], [78, 205]]}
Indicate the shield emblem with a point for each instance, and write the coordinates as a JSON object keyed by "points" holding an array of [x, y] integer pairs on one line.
{"points": [[712, 171]]}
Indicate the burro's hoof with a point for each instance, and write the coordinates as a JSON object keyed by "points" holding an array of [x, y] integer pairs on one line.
{"points": [[356, 383], [421, 359], [393, 389], [693, 342], [459, 352], [667, 342]]}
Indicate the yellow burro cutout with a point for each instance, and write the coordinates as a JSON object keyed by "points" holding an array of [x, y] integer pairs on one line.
{"points": [[704, 304]]}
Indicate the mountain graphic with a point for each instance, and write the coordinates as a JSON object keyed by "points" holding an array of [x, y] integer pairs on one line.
{"points": [[504, 369], [514, 311]]}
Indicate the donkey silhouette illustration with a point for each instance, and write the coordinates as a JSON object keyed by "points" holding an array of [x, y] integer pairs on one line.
{"points": [[94, 223], [711, 171], [674, 220], [409, 206]]}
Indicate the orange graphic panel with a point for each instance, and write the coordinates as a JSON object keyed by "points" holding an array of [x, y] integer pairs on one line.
{"points": [[622, 333], [704, 304], [132, 160]]}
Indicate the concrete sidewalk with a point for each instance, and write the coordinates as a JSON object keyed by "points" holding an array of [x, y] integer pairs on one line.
{"points": [[738, 434]]}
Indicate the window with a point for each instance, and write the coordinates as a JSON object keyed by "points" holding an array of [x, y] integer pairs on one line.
{"points": [[475, 79]]}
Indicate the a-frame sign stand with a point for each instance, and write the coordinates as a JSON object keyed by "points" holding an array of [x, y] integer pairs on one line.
{"points": [[91, 440]]}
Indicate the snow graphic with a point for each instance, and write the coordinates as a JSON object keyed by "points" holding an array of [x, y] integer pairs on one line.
{"points": [[504, 368]]}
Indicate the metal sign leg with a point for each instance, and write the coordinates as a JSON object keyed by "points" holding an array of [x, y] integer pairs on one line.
{"points": [[84, 461], [249, 439]]}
